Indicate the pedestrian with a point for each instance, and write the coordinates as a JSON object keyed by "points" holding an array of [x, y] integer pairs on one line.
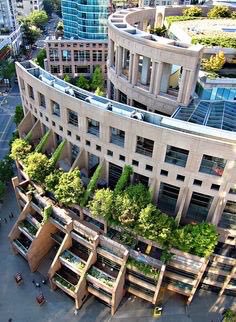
{"points": [[5, 219], [33, 281], [12, 215], [10, 320]]}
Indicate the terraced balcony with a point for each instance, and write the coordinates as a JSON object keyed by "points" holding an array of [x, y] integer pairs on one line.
{"points": [[67, 280], [28, 228], [22, 244]]}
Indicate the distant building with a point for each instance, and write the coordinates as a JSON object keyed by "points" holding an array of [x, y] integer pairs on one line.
{"points": [[9, 29], [25, 7]]}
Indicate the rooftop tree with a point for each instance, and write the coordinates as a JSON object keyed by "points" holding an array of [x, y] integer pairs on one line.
{"points": [[20, 149], [43, 142], [214, 63], [155, 225], [82, 82], [37, 167], [69, 189], [102, 204], [129, 203], [52, 180], [40, 57], [124, 179], [91, 186]]}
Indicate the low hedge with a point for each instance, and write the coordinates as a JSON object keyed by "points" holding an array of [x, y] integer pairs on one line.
{"points": [[172, 19], [222, 41]]}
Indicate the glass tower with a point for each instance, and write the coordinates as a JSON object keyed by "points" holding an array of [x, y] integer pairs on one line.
{"points": [[85, 19]]}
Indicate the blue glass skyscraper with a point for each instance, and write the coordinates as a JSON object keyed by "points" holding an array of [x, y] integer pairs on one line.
{"points": [[85, 19]]}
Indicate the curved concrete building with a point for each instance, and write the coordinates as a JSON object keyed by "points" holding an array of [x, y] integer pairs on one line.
{"points": [[147, 71], [188, 160]]}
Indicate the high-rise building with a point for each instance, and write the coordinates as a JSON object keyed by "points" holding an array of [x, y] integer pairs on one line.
{"points": [[9, 28], [85, 19]]}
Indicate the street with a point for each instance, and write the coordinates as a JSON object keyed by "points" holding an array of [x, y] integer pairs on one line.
{"points": [[7, 110]]}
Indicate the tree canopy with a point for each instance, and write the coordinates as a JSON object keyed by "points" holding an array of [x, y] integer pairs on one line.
{"points": [[19, 114], [97, 79], [214, 63], [192, 12], [40, 57], [6, 171], [219, 12], [20, 149], [37, 167], [38, 18], [69, 189], [82, 82], [102, 204], [7, 69], [48, 7]]}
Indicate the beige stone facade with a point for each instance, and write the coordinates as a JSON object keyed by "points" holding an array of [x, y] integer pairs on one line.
{"points": [[75, 57]]}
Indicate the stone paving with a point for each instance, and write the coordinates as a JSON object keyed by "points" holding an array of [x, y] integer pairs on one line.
{"points": [[18, 302]]}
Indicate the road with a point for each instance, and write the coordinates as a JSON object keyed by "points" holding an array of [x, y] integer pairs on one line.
{"points": [[7, 125]]}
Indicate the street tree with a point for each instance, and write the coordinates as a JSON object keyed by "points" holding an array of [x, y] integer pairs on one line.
{"points": [[7, 69], [30, 33], [82, 82], [19, 114], [38, 18], [40, 57], [97, 79], [2, 190], [6, 171]]}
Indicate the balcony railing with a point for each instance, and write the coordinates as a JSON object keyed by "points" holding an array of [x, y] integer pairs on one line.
{"points": [[63, 282], [73, 260], [20, 246], [101, 277]]}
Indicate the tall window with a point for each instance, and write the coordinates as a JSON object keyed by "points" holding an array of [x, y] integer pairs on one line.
{"points": [[176, 156], [93, 127], [228, 218], [72, 118], [199, 207], [144, 146], [31, 92], [42, 101], [117, 136], [55, 108], [167, 198], [212, 165], [66, 55]]}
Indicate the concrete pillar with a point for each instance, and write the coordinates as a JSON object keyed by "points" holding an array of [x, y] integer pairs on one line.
{"points": [[165, 77], [157, 78], [145, 73], [108, 88], [131, 59], [189, 88], [111, 52], [124, 56], [182, 85], [119, 60], [135, 69], [153, 74]]}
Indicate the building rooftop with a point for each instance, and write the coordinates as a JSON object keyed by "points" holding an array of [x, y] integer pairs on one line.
{"points": [[126, 111], [205, 27], [217, 114]]}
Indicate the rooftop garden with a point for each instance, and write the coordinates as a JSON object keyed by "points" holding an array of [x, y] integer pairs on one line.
{"points": [[146, 269], [210, 30], [101, 276], [128, 206]]}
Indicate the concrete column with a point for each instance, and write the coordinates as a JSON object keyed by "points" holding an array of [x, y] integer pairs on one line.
{"points": [[116, 59], [165, 77], [124, 56], [131, 59], [182, 85], [135, 69], [189, 90], [157, 78], [111, 52], [108, 88], [153, 74], [215, 218], [145, 73], [119, 60]]}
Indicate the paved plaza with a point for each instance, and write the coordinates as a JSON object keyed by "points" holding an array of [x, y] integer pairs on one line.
{"points": [[18, 302]]}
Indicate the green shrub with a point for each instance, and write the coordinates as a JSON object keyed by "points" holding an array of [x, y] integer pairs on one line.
{"points": [[42, 142], [57, 153], [222, 41], [20, 149], [52, 180], [172, 19], [146, 269], [233, 15], [92, 185], [192, 12], [47, 212], [124, 179], [219, 12]]}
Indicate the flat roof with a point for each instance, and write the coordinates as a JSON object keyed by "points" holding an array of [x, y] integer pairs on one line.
{"points": [[217, 114]]}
